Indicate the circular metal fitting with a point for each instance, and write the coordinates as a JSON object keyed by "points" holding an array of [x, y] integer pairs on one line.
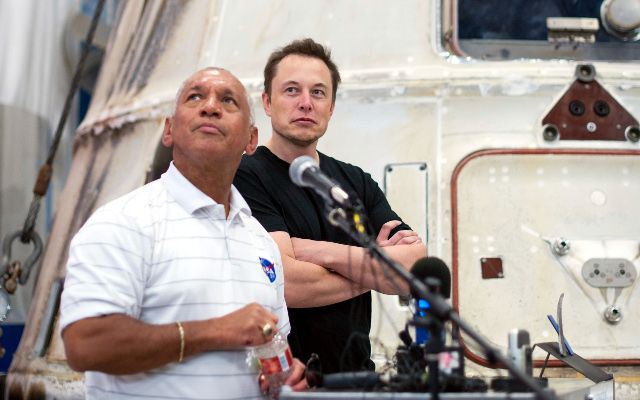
{"points": [[601, 108], [612, 314], [591, 126], [576, 107], [550, 132], [632, 133], [561, 246], [621, 18], [585, 72]]}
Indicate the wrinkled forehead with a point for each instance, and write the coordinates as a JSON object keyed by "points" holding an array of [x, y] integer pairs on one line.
{"points": [[213, 78]]}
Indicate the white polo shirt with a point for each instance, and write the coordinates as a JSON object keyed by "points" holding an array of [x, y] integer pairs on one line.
{"points": [[164, 253]]}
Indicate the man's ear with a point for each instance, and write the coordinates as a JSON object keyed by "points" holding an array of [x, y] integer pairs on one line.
{"points": [[167, 139], [266, 103], [253, 141]]}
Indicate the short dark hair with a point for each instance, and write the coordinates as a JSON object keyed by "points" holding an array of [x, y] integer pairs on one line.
{"points": [[304, 47]]}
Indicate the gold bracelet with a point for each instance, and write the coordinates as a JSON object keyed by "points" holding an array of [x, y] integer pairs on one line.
{"points": [[181, 330]]}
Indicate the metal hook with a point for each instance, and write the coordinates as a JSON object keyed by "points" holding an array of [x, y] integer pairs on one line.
{"points": [[29, 261], [5, 305]]}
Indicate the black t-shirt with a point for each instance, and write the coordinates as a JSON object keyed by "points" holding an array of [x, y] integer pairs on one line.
{"points": [[338, 333]]}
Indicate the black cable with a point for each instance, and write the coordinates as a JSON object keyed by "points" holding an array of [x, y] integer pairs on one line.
{"points": [[44, 175], [75, 81]]}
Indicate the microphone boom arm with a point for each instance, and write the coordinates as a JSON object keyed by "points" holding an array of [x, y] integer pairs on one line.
{"points": [[440, 308]]}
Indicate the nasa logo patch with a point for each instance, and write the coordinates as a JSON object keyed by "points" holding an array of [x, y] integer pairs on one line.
{"points": [[268, 268]]}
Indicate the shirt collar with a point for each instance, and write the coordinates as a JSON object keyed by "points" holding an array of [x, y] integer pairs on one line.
{"points": [[192, 199]]}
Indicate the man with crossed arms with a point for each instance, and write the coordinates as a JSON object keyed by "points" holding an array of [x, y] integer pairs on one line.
{"points": [[328, 278]]}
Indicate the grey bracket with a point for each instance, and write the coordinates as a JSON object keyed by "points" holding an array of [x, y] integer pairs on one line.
{"points": [[609, 272]]}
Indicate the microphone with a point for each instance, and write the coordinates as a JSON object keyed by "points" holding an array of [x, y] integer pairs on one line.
{"points": [[305, 172], [441, 361], [435, 273], [433, 270]]}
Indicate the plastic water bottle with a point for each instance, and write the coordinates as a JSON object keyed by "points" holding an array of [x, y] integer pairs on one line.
{"points": [[274, 361]]}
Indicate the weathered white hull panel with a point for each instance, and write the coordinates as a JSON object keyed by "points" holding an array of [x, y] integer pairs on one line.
{"points": [[403, 100]]}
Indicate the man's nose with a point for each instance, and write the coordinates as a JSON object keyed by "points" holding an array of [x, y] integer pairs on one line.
{"points": [[305, 103], [211, 107]]}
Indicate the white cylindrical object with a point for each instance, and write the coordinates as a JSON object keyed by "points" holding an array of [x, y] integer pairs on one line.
{"points": [[623, 16], [519, 350]]}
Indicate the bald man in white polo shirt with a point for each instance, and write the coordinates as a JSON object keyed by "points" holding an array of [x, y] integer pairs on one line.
{"points": [[167, 285]]}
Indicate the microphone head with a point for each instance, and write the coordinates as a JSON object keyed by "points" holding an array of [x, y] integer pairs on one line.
{"points": [[297, 168], [433, 267]]}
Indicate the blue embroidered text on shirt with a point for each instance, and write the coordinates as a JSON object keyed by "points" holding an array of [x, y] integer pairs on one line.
{"points": [[268, 268]]}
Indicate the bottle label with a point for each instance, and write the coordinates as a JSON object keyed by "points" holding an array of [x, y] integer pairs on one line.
{"points": [[279, 363]]}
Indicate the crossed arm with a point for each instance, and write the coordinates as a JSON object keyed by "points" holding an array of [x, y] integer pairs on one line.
{"points": [[319, 273]]}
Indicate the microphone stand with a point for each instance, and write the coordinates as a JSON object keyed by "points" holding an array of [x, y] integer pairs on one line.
{"points": [[433, 348], [344, 220]]}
